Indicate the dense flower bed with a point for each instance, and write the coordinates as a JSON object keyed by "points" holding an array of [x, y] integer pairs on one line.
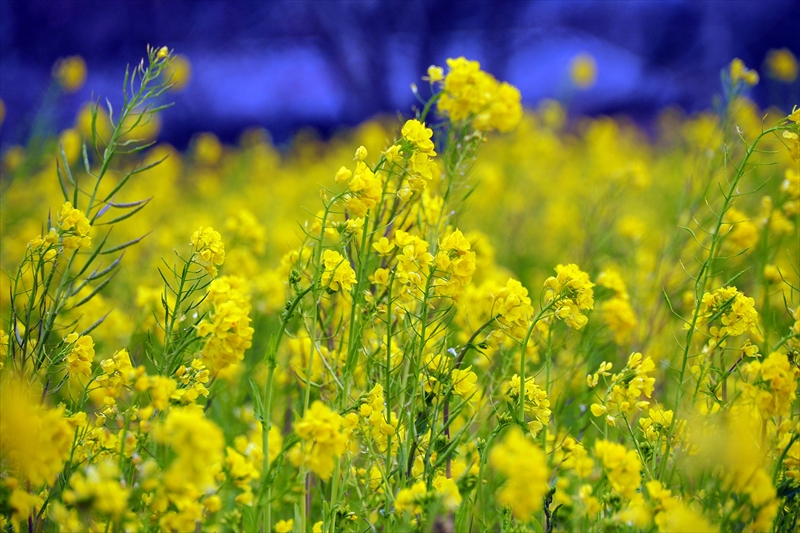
{"points": [[476, 319]]}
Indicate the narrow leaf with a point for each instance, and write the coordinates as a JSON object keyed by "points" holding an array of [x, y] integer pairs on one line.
{"points": [[258, 407], [124, 245], [97, 275], [93, 326], [97, 289], [97, 250], [123, 217]]}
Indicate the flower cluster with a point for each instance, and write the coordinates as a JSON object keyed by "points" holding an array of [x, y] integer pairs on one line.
{"points": [[227, 327], [469, 92], [622, 466], [774, 386], [198, 445], [35, 439], [324, 440], [458, 262], [624, 395], [209, 248], [513, 309], [535, 402], [617, 312], [570, 292], [735, 312], [523, 465], [364, 186], [338, 273], [74, 227], [739, 73], [81, 354]]}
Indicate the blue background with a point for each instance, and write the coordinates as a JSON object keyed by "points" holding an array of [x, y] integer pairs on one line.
{"points": [[325, 64]]}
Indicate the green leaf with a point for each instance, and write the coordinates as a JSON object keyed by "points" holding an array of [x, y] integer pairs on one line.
{"points": [[258, 406], [124, 245]]}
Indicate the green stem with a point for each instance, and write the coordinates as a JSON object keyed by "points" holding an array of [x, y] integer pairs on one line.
{"points": [[700, 288]]}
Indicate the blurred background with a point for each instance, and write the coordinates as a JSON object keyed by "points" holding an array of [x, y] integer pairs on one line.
{"points": [[287, 65]]}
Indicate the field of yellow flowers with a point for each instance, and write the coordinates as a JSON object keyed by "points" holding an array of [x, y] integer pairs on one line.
{"points": [[477, 319]]}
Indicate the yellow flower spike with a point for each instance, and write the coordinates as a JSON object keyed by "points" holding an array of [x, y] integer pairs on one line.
{"points": [[523, 463]]}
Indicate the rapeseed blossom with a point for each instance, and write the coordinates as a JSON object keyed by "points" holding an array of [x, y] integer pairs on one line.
{"points": [[338, 273], [570, 291], [75, 227], [470, 92], [735, 311], [35, 440], [782, 65], [324, 440], [524, 467], [227, 330], [622, 467], [70, 73], [81, 354], [741, 74], [209, 248]]}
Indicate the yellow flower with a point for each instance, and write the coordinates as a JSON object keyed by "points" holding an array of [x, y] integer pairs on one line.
{"points": [[179, 72], [619, 317], [75, 227], [435, 74], [513, 306], [338, 272], [622, 467], [447, 487], [98, 486], [571, 292], [343, 174], [418, 135], [536, 402], [284, 526], [735, 311], [209, 248], [470, 92], [523, 463], [81, 354], [384, 246], [227, 327], [34, 440], [410, 499], [741, 74], [464, 382], [782, 65], [198, 443], [323, 439], [775, 389], [70, 72], [583, 71]]}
